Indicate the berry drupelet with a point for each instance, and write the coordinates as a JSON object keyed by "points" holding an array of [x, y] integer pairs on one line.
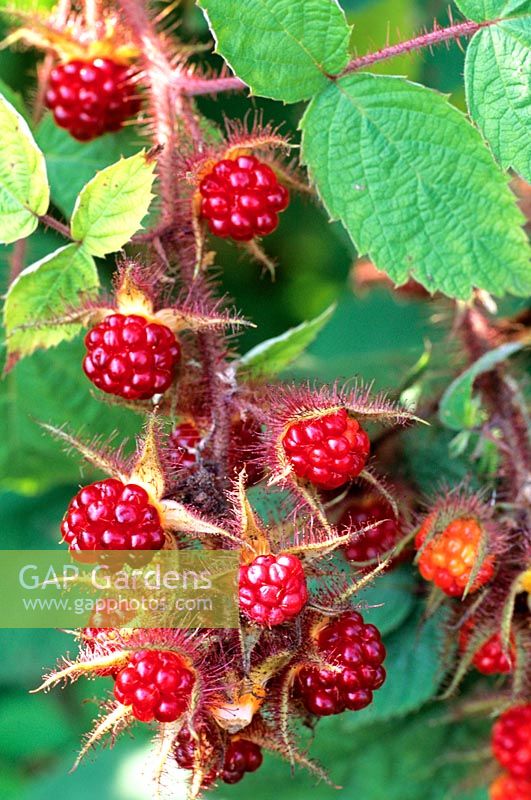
{"points": [[92, 97], [241, 198], [357, 650], [156, 684], [372, 544], [111, 515], [511, 741], [328, 451], [272, 589], [131, 357], [449, 557]]}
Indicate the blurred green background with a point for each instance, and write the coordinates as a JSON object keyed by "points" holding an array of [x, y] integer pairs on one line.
{"points": [[402, 748]]}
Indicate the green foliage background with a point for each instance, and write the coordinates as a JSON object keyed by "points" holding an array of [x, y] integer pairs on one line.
{"points": [[402, 748]]}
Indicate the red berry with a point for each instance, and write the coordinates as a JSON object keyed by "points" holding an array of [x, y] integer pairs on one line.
{"points": [[357, 648], [506, 787], [157, 684], [511, 741], [490, 658], [130, 356], [449, 557], [376, 542], [272, 589], [90, 98], [111, 515], [328, 451], [241, 198], [241, 756], [183, 443]]}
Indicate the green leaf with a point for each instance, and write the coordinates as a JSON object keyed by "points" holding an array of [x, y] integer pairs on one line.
{"points": [[51, 387], [111, 207], [15, 99], [497, 69], [481, 10], [71, 164], [456, 409], [44, 291], [415, 186], [24, 190], [274, 355], [281, 49], [389, 601]]}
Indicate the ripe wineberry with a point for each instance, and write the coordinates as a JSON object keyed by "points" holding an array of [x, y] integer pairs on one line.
{"points": [[511, 741], [156, 684], [241, 756], [241, 198], [91, 97], [490, 658], [328, 451], [507, 787], [449, 557], [129, 356], [357, 649], [272, 589], [371, 544], [111, 515]]}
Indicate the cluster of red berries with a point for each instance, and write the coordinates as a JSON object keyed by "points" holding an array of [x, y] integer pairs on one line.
{"points": [[329, 450], [241, 756], [185, 441], [156, 684], [272, 589], [511, 741], [93, 97], [241, 198], [378, 541], [131, 357], [490, 658], [449, 557], [111, 515], [355, 653]]}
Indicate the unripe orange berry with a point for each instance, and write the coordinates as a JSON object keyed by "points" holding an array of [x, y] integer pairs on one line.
{"points": [[449, 557]]}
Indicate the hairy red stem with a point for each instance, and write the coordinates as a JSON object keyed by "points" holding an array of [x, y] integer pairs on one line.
{"points": [[60, 227], [434, 37], [198, 86], [159, 73]]}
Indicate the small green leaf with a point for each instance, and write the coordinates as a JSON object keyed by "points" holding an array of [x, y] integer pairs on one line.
{"points": [[15, 99], [274, 355], [111, 207], [24, 190], [388, 602], [481, 10], [281, 49], [415, 187], [457, 409], [42, 292], [497, 69], [72, 164]]}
